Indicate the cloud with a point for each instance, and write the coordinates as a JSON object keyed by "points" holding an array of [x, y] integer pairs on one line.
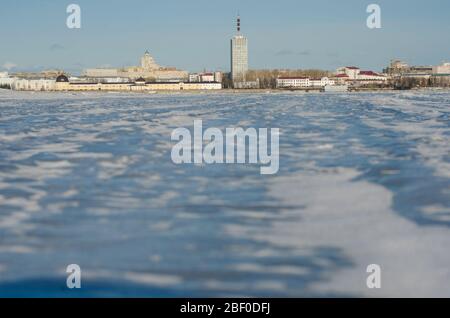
{"points": [[9, 65], [56, 47], [285, 52], [288, 52], [304, 53]]}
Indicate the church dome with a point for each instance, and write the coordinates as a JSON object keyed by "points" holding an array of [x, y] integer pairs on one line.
{"points": [[62, 79]]}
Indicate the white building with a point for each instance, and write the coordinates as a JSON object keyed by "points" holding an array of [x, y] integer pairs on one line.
{"points": [[202, 86], [239, 55], [442, 69], [5, 80], [293, 82], [100, 79], [341, 78], [33, 84], [194, 78], [208, 77], [351, 71], [303, 82], [218, 77], [322, 82], [354, 74], [370, 76], [62, 83]]}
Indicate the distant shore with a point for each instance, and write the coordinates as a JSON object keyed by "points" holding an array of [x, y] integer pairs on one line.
{"points": [[223, 91]]}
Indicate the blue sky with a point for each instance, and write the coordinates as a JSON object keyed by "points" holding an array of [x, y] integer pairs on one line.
{"points": [[194, 35]]}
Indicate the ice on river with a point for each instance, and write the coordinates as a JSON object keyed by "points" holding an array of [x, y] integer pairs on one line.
{"points": [[88, 179]]}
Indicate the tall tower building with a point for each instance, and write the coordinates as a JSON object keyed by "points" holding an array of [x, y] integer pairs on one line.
{"points": [[148, 63], [239, 55]]}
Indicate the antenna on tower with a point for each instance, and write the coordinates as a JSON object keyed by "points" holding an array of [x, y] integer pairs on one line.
{"points": [[239, 23]]}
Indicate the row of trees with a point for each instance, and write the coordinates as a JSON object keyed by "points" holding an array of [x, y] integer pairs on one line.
{"points": [[410, 82], [437, 81]]}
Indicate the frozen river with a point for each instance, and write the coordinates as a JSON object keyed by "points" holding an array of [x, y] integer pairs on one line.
{"points": [[88, 180]]}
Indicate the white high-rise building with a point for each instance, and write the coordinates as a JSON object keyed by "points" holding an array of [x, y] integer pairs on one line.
{"points": [[239, 55]]}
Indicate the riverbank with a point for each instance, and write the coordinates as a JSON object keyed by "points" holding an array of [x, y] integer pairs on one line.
{"points": [[4, 92]]}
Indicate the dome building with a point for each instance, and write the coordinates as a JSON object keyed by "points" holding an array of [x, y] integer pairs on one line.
{"points": [[62, 79]]}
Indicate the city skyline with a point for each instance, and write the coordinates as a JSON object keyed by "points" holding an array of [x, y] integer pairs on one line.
{"points": [[323, 35]]}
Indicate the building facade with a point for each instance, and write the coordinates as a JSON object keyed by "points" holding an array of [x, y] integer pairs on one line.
{"points": [[351, 71], [358, 77], [371, 77], [33, 85], [207, 77], [5, 80], [139, 85], [304, 82], [293, 82], [322, 82], [442, 69]]}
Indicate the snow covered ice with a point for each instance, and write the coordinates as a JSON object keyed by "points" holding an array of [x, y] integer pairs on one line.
{"points": [[88, 179]]}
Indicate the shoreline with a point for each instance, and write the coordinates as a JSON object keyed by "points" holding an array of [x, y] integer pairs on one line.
{"points": [[227, 91]]}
